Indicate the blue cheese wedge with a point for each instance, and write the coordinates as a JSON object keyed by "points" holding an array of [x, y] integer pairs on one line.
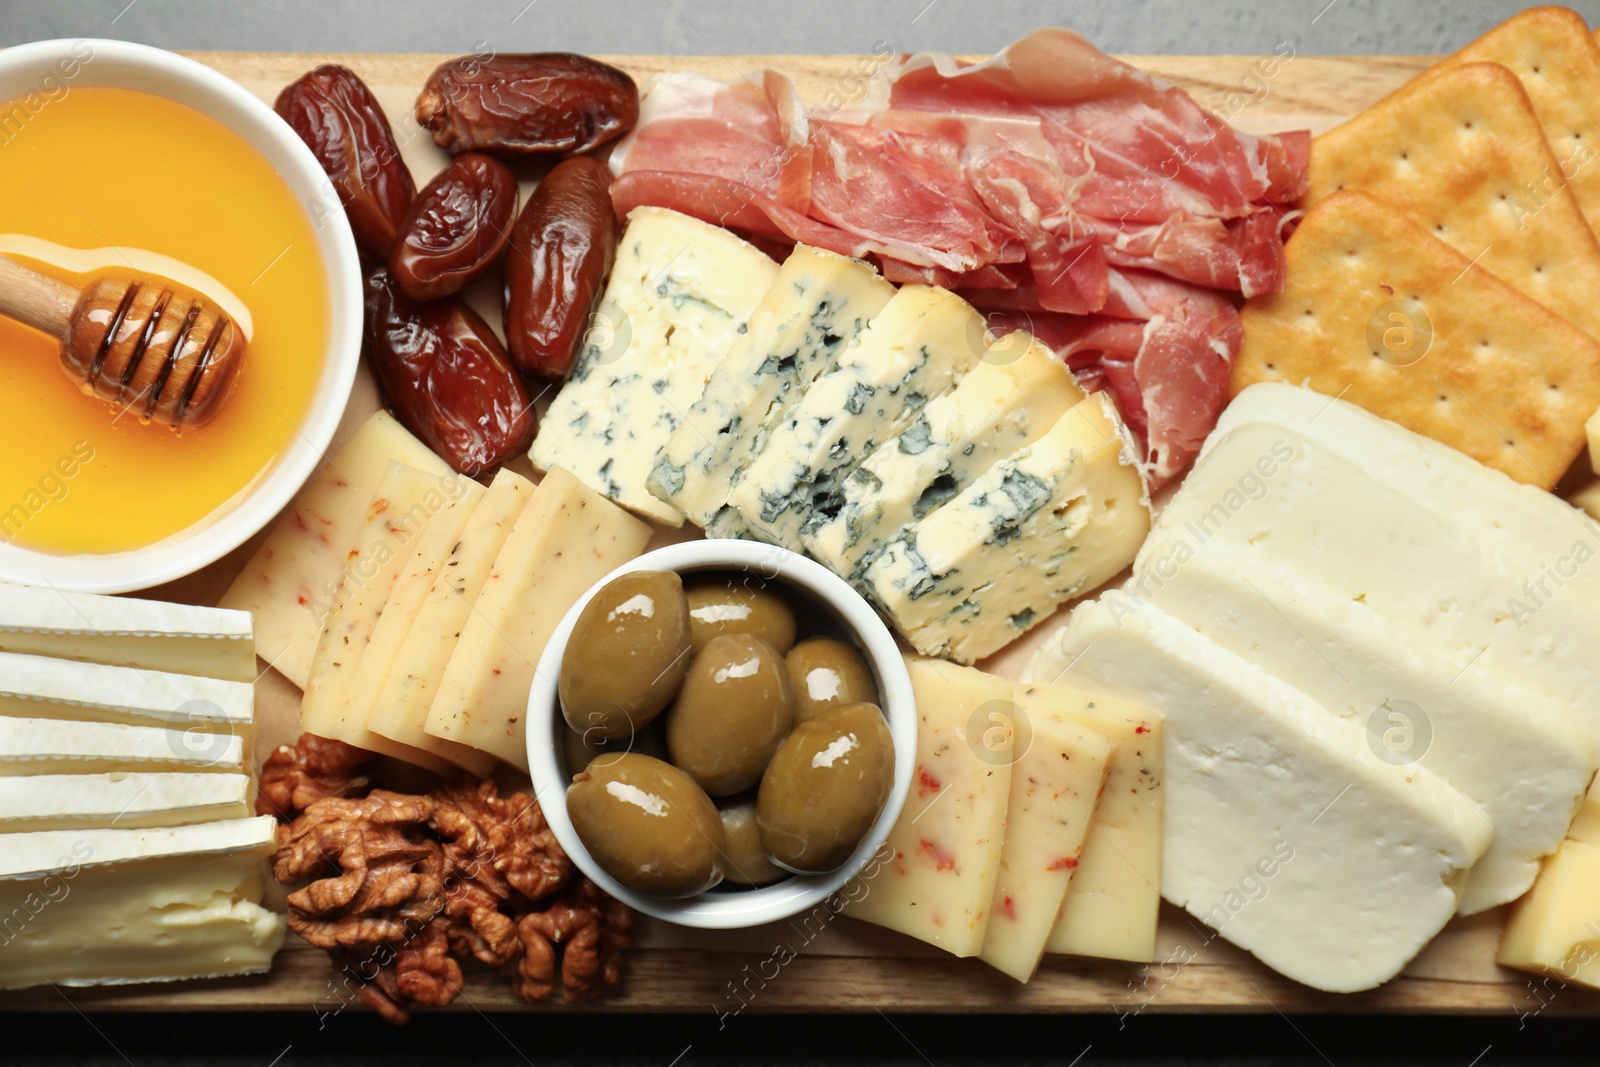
{"points": [[1014, 395], [1054, 520], [917, 347], [1524, 761], [818, 305], [1284, 832], [680, 297], [91, 907]]}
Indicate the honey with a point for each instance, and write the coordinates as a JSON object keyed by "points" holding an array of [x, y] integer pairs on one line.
{"points": [[107, 169]]}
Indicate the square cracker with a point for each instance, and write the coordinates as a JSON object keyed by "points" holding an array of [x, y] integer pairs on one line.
{"points": [[1551, 51], [1382, 313], [1460, 149]]}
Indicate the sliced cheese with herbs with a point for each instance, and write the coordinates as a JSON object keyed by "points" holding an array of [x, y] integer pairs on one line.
{"points": [[1525, 761], [935, 877], [87, 907], [1054, 520], [1114, 899], [291, 581], [565, 540], [60, 746], [147, 635], [818, 305], [1289, 502], [1555, 930], [42, 687], [1058, 772], [408, 691], [680, 297], [1284, 832], [400, 512], [913, 350], [120, 800], [1014, 395]]}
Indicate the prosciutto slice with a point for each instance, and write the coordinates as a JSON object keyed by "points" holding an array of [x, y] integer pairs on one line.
{"points": [[1061, 189]]}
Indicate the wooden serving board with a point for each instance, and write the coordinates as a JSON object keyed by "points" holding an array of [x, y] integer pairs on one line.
{"points": [[839, 964]]}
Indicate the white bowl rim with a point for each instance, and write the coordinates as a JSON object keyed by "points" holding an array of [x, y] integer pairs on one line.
{"points": [[258, 503], [746, 907]]}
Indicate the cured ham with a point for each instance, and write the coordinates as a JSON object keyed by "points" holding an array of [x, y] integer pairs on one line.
{"points": [[1052, 184]]}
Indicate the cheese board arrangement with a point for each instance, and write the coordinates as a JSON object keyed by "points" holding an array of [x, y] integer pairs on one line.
{"points": [[1040, 532]]}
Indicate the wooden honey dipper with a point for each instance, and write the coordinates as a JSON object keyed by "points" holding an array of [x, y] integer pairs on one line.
{"points": [[127, 339]]}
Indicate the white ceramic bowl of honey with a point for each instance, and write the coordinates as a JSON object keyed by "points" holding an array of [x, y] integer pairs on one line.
{"points": [[116, 156]]}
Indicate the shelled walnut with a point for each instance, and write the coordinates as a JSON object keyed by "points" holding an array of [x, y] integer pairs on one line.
{"points": [[403, 886]]}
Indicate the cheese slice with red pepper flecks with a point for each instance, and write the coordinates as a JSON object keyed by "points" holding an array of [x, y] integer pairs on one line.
{"points": [[291, 581], [1057, 777], [1114, 900], [936, 879]]}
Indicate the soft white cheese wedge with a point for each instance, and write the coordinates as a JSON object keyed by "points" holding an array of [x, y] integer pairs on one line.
{"points": [[1522, 759], [407, 692], [87, 907], [565, 540], [1113, 902], [1498, 573], [150, 635], [1366, 859], [121, 800], [1057, 779], [935, 877], [1015, 394], [680, 296], [61, 746], [912, 351], [1052, 521], [290, 582], [818, 305], [41, 687]]}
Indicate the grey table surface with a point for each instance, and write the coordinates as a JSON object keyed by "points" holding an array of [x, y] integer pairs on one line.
{"points": [[732, 27]]}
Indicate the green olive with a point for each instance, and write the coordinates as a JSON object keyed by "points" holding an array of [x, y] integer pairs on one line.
{"points": [[826, 673], [746, 860], [627, 655], [647, 825], [731, 714], [738, 604], [578, 749], [824, 789]]}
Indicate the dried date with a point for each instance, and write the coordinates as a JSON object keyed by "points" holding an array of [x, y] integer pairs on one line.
{"points": [[447, 377], [561, 252], [455, 229], [547, 103], [340, 120]]}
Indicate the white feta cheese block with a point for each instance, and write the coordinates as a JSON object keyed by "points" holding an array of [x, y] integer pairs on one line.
{"points": [[400, 712], [935, 877], [93, 907], [1284, 832], [1011, 398], [1113, 902], [41, 687], [1056, 780], [290, 583], [680, 296], [914, 350], [1523, 760], [61, 746], [150, 635], [1289, 502], [120, 800], [819, 304], [1056, 519], [401, 511], [565, 540]]}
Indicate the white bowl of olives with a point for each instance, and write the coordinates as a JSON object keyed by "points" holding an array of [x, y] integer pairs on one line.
{"points": [[721, 734]]}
